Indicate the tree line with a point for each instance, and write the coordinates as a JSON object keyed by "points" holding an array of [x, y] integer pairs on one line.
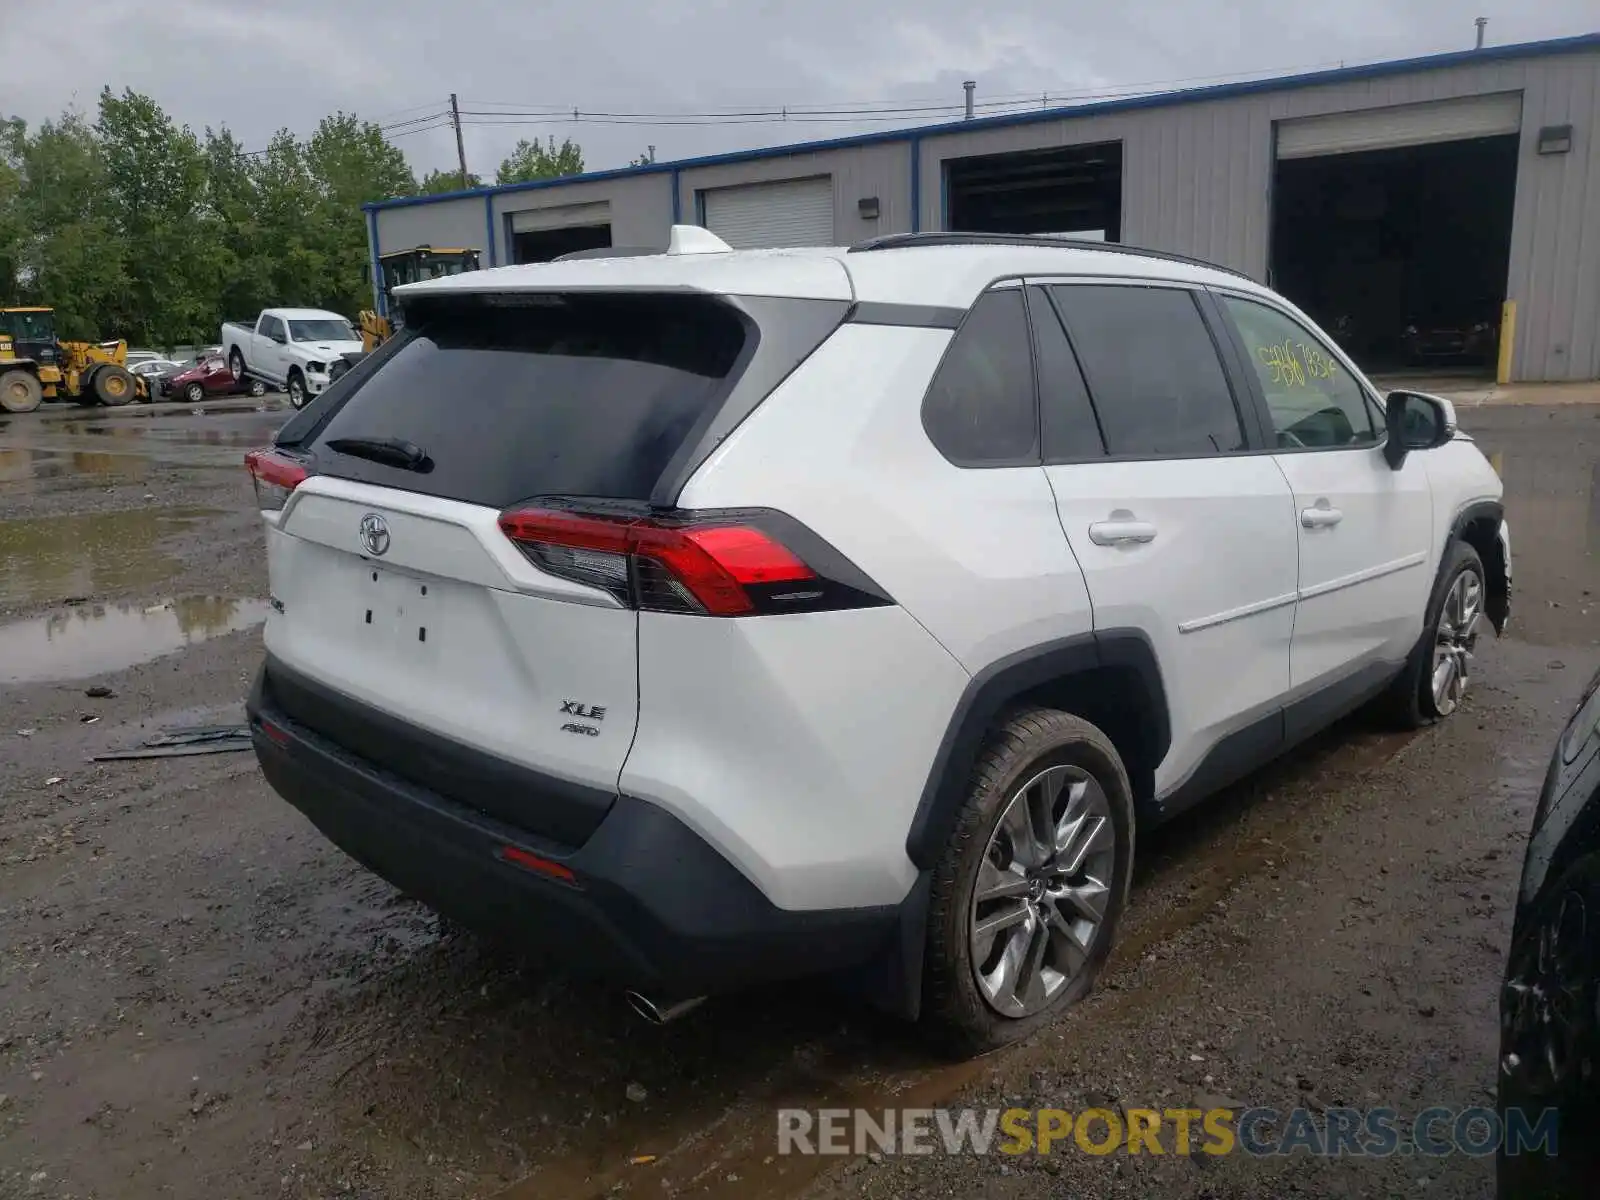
{"points": [[133, 226]]}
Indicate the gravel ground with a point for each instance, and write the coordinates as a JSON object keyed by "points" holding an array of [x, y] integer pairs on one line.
{"points": [[200, 997]]}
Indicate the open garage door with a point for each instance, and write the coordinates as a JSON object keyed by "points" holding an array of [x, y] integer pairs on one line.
{"points": [[1392, 228], [1072, 190], [795, 212], [1402, 125], [541, 234]]}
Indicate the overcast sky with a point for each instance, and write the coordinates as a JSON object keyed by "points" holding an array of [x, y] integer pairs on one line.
{"points": [[259, 65]]}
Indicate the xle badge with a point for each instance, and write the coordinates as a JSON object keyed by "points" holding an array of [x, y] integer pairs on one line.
{"points": [[591, 712]]}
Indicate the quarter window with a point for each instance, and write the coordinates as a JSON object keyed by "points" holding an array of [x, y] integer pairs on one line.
{"points": [[1152, 369], [980, 408], [1313, 400]]}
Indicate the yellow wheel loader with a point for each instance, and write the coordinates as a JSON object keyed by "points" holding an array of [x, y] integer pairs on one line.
{"points": [[410, 266], [35, 367]]}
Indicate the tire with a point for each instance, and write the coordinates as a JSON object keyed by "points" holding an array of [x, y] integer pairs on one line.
{"points": [[20, 391], [236, 365], [86, 397], [296, 388], [194, 393], [257, 388], [1412, 701], [1026, 759], [114, 386]]}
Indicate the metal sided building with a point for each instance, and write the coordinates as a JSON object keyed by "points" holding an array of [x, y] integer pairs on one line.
{"points": [[1448, 194]]}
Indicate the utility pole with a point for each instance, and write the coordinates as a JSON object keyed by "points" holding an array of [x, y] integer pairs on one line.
{"points": [[461, 150]]}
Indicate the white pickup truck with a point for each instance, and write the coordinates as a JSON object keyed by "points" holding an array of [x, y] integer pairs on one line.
{"points": [[290, 348]]}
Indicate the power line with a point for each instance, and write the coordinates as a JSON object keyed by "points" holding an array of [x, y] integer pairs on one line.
{"points": [[908, 106], [910, 110], [442, 123], [399, 129], [400, 111], [443, 112]]}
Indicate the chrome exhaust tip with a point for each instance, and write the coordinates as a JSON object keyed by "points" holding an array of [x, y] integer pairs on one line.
{"points": [[658, 1012]]}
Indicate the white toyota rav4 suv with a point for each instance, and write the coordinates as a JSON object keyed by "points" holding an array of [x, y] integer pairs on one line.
{"points": [[707, 618]]}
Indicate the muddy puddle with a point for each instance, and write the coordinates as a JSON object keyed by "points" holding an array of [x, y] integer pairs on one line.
{"points": [[54, 558], [19, 465], [228, 436], [92, 639]]}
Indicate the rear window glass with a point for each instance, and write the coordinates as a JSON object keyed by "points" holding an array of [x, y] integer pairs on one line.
{"points": [[525, 395]]}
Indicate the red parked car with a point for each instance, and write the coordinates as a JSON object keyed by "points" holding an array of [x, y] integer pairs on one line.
{"points": [[208, 377]]}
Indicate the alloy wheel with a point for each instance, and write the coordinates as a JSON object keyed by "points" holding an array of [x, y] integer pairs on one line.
{"points": [[1043, 890], [1454, 642]]}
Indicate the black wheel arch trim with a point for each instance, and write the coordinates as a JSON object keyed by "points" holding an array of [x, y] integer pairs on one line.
{"points": [[1497, 605], [998, 686]]}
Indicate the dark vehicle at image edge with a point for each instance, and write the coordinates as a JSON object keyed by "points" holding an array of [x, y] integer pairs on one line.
{"points": [[1550, 1002]]}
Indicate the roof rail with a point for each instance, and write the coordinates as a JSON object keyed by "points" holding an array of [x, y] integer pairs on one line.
{"points": [[606, 252], [898, 241]]}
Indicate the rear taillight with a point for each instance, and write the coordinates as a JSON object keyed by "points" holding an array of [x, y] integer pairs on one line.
{"points": [[275, 476], [720, 564]]}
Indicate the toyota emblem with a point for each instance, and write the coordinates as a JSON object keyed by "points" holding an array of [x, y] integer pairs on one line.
{"points": [[375, 535]]}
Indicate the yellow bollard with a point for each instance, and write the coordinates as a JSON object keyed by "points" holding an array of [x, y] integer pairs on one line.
{"points": [[1508, 341]]}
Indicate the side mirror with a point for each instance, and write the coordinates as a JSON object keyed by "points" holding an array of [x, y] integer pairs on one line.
{"points": [[1416, 421]]}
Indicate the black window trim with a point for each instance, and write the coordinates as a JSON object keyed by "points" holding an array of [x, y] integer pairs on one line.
{"points": [[1003, 283], [1252, 381], [1054, 314], [1255, 440]]}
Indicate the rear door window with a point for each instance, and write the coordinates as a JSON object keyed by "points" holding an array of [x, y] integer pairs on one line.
{"points": [[523, 395], [1152, 369]]}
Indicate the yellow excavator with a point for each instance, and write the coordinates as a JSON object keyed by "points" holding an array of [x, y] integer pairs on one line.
{"points": [[409, 266], [35, 367]]}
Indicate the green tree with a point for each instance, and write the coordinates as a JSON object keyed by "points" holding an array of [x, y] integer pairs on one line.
{"points": [[13, 223], [533, 160], [231, 204], [436, 183], [296, 264], [156, 185], [134, 226], [350, 164], [74, 257]]}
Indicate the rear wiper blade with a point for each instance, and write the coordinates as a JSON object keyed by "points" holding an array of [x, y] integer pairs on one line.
{"points": [[393, 452]]}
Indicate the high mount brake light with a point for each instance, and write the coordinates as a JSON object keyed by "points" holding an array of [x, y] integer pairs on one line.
{"points": [[716, 564], [275, 475]]}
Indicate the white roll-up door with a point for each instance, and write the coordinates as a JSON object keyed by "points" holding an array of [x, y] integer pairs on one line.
{"points": [[561, 216], [796, 212], [1402, 125]]}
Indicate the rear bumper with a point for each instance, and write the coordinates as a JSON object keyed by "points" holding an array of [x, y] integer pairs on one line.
{"points": [[651, 905]]}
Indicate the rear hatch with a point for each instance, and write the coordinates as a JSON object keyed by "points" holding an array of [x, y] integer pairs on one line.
{"points": [[408, 626]]}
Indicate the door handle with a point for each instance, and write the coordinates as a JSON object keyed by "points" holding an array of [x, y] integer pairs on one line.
{"points": [[1121, 533], [1320, 515]]}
